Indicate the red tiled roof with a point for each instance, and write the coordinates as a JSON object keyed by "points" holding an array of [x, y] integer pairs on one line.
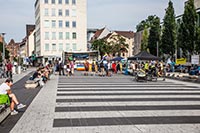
{"points": [[98, 33], [127, 34]]}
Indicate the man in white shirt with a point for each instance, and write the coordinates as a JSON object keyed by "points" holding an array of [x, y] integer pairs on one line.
{"points": [[5, 88]]}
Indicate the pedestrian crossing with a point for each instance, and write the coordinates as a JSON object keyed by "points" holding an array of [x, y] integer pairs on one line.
{"points": [[97, 102]]}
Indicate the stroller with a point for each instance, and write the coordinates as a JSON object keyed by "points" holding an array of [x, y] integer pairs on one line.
{"points": [[152, 74], [141, 76]]}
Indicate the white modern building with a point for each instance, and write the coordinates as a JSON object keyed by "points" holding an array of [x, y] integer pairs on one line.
{"points": [[60, 26]]}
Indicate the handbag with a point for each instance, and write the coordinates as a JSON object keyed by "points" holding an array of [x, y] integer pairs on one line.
{"points": [[4, 99]]}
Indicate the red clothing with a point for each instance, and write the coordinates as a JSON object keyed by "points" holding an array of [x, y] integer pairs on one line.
{"points": [[114, 67], [9, 67]]}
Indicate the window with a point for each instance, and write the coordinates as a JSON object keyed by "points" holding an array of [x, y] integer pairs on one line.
{"points": [[73, 13], [74, 35], [53, 1], [60, 47], [53, 13], [53, 47], [53, 35], [46, 1], [74, 46], [67, 35], [60, 23], [53, 23], [74, 24], [46, 12], [60, 35], [66, 1], [66, 12], [73, 2], [46, 47], [67, 47], [59, 1], [67, 24], [46, 35], [46, 23], [60, 12]]}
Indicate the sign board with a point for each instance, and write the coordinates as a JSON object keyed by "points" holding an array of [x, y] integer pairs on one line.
{"points": [[195, 59], [181, 61]]}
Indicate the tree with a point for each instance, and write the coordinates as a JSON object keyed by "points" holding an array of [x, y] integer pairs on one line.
{"points": [[7, 56], [118, 44], [168, 39], [101, 46], [189, 28], [144, 43], [154, 35], [179, 42], [145, 23], [197, 48]]}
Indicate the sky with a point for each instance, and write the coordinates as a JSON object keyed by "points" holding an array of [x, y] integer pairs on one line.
{"points": [[114, 14]]}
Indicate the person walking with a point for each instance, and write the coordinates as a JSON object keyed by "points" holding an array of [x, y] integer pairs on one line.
{"points": [[9, 67]]}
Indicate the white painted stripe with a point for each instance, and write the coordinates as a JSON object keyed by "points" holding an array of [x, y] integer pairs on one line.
{"points": [[137, 87], [128, 96], [121, 92], [125, 85], [102, 114], [74, 104]]}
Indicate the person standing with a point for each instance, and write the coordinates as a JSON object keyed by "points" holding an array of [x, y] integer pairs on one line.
{"points": [[9, 67]]}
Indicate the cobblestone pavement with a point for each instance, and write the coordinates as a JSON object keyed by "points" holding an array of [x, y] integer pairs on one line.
{"points": [[93, 104]]}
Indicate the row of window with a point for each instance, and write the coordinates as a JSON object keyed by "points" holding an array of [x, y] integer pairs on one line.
{"points": [[59, 2], [60, 24], [60, 12], [53, 47], [61, 35]]}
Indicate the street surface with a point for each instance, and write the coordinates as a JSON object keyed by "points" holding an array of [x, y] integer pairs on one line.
{"points": [[93, 104]]}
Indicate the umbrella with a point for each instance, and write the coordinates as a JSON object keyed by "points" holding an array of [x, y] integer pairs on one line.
{"points": [[117, 59]]}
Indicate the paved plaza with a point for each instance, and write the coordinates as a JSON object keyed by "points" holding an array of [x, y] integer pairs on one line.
{"points": [[93, 104]]}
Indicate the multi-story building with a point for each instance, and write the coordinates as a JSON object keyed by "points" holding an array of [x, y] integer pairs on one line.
{"points": [[13, 49], [129, 39], [60, 26]]}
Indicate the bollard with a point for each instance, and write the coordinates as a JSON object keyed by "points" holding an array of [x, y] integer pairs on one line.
{"points": [[19, 69], [14, 70]]}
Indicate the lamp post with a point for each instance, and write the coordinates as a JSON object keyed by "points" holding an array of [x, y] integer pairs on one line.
{"points": [[3, 57]]}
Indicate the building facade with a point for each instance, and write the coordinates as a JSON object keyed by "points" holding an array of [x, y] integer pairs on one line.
{"points": [[13, 49], [60, 26], [197, 3], [129, 39]]}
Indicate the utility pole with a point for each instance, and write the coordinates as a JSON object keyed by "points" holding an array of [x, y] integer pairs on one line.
{"points": [[3, 41], [157, 49]]}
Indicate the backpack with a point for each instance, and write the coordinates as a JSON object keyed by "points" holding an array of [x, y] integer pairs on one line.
{"points": [[4, 99]]}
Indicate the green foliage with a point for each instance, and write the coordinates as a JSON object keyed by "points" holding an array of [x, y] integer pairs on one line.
{"points": [[154, 35], [145, 23], [101, 46], [197, 48], [144, 43], [168, 38], [7, 56], [188, 31], [118, 45]]}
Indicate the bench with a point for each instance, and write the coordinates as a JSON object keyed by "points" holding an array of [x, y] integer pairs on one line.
{"points": [[4, 112], [31, 84]]}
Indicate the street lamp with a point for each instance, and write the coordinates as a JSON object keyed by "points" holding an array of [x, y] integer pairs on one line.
{"points": [[3, 57]]}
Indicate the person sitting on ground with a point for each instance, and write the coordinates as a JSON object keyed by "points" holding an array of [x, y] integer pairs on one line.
{"points": [[5, 88]]}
